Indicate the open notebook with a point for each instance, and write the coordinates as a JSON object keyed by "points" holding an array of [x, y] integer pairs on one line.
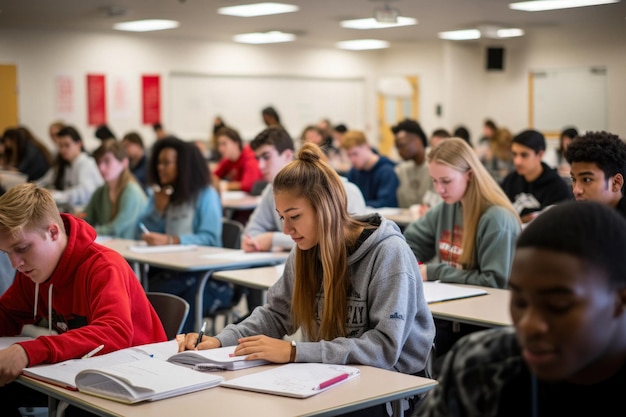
{"points": [[214, 359], [435, 291], [298, 380]]}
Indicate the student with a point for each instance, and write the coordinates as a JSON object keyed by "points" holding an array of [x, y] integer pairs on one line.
{"points": [[137, 158], [566, 352], [104, 133], [159, 131], [75, 176], [463, 133], [270, 117], [87, 293], [182, 208], [351, 284], [533, 185], [556, 158], [114, 207], [374, 174], [598, 168], [274, 149], [316, 135], [238, 166], [414, 179], [438, 136], [469, 238], [26, 154]]}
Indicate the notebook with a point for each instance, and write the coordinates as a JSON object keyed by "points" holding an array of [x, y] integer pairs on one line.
{"points": [[435, 291], [214, 359], [145, 380], [298, 380], [162, 248]]}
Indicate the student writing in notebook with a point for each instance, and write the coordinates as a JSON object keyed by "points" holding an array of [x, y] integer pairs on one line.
{"points": [[566, 352], [86, 292], [351, 284], [469, 238]]}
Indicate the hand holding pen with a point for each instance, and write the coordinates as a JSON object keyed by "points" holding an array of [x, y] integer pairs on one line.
{"points": [[200, 335]]}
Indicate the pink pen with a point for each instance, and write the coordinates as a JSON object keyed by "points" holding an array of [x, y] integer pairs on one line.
{"points": [[331, 381]]}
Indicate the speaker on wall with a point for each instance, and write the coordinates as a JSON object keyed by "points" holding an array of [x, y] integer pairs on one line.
{"points": [[495, 59]]}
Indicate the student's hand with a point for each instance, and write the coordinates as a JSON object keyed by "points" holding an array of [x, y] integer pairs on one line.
{"points": [[188, 342], [259, 243], [264, 347], [12, 360], [155, 239], [526, 218], [424, 272]]}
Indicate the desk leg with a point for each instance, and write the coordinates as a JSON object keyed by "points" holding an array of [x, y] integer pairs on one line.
{"points": [[200, 298], [52, 406], [396, 407]]}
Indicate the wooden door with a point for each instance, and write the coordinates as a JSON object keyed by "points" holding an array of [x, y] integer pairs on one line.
{"points": [[8, 96]]}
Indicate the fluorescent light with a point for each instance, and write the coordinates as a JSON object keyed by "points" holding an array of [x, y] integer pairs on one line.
{"points": [[257, 9], [362, 44], [460, 35], [372, 23], [146, 25], [538, 6], [509, 32], [264, 37]]}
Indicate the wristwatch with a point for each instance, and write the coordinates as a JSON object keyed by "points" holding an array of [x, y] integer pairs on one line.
{"points": [[292, 357]]}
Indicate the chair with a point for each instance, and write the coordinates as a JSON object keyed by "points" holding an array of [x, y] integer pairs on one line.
{"points": [[231, 238], [172, 311]]}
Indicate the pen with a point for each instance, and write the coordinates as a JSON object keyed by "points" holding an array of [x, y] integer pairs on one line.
{"points": [[143, 228], [93, 352], [200, 334], [332, 381]]}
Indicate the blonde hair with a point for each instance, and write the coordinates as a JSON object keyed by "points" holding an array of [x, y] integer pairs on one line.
{"points": [[118, 151], [27, 206], [326, 264], [353, 138], [482, 191]]}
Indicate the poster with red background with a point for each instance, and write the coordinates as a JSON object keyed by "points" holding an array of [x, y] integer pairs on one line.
{"points": [[96, 99], [151, 94]]}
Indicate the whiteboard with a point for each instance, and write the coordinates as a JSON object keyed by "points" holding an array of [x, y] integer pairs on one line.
{"points": [[194, 100], [570, 97]]}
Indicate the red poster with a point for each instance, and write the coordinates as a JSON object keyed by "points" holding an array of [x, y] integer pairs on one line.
{"points": [[151, 90], [96, 100]]}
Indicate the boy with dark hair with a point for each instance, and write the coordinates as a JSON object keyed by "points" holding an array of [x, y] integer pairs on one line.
{"points": [[598, 166], [533, 185], [566, 352], [87, 293]]}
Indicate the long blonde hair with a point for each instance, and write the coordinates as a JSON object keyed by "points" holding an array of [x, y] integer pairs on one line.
{"points": [[326, 264], [117, 150], [482, 191]]}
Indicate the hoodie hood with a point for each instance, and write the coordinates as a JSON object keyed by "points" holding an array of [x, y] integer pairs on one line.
{"points": [[385, 229]]}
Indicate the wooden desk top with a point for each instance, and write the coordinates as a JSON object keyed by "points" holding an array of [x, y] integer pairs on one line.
{"points": [[374, 386]]}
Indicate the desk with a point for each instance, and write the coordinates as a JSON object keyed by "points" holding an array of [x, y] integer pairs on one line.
{"points": [[205, 259], [374, 386], [489, 310], [402, 217], [233, 201]]}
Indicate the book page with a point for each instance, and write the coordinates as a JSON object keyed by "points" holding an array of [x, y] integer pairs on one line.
{"points": [[162, 248], [435, 291], [214, 359], [238, 255], [298, 380]]}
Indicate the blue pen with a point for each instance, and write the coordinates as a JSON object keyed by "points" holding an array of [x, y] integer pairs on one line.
{"points": [[143, 228]]}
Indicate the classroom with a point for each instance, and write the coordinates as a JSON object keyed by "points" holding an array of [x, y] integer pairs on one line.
{"points": [[563, 68]]}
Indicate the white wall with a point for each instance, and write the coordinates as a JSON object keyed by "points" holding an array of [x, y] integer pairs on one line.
{"points": [[450, 74]]}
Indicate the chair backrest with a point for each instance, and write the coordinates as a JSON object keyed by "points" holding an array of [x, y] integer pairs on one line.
{"points": [[231, 233], [172, 311]]}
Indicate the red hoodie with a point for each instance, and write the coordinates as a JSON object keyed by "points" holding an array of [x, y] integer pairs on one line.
{"points": [[96, 300]]}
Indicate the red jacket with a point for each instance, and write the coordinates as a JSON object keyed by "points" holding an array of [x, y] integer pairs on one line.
{"points": [[96, 300], [245, 169]]}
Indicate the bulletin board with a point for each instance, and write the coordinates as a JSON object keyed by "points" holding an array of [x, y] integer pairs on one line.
{"points": [[568, 97], [193, 100]]}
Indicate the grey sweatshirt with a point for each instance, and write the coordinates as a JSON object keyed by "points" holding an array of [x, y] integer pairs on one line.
{"points": [[389, 324]]}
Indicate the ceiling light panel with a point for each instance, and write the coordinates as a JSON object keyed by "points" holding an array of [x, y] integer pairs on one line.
{"points": [[264, 37], [258, 9], [460, 35], [146, 25], [539, 6], [362, 44], [372, 23]]}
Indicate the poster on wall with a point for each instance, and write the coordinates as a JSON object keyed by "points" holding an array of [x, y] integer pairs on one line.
{"points": [[151, 95], [96, 99], [64, 96], [120, 98]]}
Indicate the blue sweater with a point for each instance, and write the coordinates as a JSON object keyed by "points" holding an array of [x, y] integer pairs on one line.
{"points": [[378, 185], [199, 222]]}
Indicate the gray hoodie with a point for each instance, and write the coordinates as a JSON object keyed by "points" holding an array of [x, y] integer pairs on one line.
{"points": [[389, 324]]}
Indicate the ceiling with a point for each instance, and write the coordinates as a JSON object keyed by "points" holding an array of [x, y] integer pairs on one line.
{"points": [[317, 22]]}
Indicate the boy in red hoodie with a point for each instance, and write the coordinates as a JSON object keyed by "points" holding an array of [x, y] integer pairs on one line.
{"points": [[87, 293]]}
